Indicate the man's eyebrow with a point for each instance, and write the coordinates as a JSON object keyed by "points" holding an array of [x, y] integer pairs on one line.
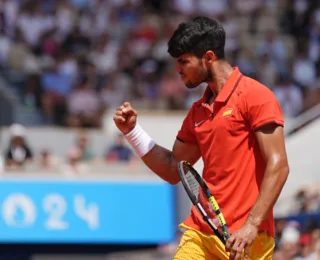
{"points": [[180, 60]]}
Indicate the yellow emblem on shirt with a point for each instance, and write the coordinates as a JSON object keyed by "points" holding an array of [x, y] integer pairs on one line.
{"points": [[227, 112]]}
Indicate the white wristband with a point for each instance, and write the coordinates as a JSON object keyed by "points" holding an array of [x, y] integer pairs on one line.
{"points": [[140, 141]]}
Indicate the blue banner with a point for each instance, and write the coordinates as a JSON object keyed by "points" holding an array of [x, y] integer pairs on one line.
{"points": [[86, 212]]}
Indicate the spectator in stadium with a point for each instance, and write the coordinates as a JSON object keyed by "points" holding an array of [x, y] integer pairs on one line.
{"points": [[233, 106], [289, 243], [48, 162], [274, 48], [304, 71], [289, 95], [297, 241], [62, 40], [56, 87], [301, 201], [114, 91], [18, 152], [84, 106], [267, 71], [74, 166], [119, 152], [173, 90], [82, 143], [279, 227]]}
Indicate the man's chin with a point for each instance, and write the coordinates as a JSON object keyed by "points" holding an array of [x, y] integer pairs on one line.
{"points": [[191, 85]]}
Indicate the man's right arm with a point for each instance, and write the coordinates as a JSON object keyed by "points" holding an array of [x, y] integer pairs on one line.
{"points": [[164, 162], [159, 159]]}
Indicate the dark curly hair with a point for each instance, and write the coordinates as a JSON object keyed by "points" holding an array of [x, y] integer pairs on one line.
{"points": [[198, 36]]}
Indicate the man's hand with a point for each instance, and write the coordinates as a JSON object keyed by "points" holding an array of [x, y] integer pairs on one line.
{"points": [[125, 118], [241, 240]]}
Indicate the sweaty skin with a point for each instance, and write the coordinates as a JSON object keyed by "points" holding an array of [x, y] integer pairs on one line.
{"points": [[270, 137]]}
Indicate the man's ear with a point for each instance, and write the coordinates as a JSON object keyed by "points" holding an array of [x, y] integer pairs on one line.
{"points": [[209, 57]]}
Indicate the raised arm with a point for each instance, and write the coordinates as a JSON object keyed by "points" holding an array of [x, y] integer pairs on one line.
{"points": [[160, 160], [164, 162]]}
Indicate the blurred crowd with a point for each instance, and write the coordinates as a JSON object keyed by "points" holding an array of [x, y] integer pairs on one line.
{"points": [[307, 200], [19, 155], [297, 241], [298, 237], [70, 61]]}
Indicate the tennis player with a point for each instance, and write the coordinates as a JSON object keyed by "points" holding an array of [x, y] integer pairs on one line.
{"points": [[237, 129]]}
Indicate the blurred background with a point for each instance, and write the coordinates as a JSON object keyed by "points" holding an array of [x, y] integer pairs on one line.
{"points": [[70, 186]]}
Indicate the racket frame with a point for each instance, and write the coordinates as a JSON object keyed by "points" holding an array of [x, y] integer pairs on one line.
{"points": [[205, 189]]}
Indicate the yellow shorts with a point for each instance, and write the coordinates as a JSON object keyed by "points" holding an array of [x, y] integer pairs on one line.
{"points": [[195, 245]]}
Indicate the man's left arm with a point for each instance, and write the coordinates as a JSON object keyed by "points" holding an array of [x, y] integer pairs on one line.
{"points": [[270, 138], [271, 143]]}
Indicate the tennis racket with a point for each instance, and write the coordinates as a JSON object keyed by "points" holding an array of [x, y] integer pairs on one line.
{"points": [[202, 199]]}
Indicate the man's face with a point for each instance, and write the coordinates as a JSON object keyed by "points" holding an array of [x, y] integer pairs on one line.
{"points": [[192, 70]]}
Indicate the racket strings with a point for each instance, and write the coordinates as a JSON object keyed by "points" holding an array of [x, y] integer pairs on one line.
{"points": [[193, 185], [199, 195], [201, 198], [197, 192]]}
